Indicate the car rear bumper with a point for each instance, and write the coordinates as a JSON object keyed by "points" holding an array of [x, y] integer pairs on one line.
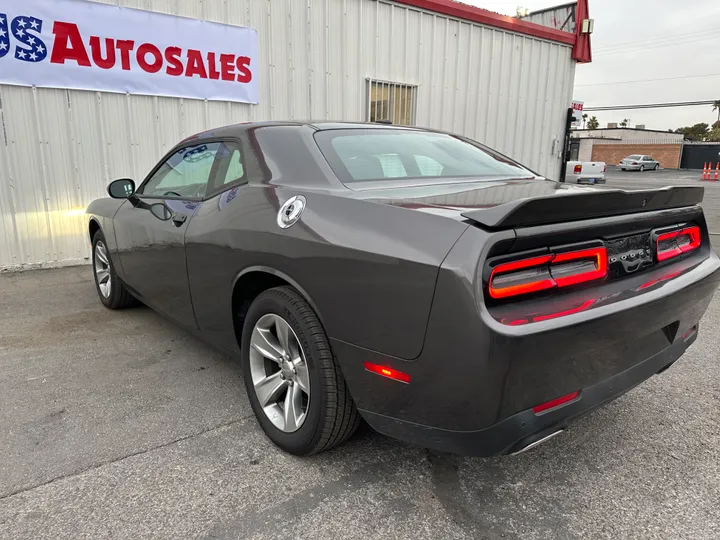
{"points": [[522, 429], [629, 167], [599, 179], [473, 388]]}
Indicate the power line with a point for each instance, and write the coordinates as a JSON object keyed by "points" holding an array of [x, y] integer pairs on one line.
{"points": [[657, 39], [657, 46], [650, 80], [650, 106]]}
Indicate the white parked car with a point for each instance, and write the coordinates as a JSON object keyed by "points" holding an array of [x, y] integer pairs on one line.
{"points": [[639, 163], [585, 172]]}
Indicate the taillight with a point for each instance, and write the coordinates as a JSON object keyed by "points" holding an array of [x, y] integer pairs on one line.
{"points": [[579, 266], [674, 243], [634, 162], [578, 169], [604, 169], [521, 277], [548, 272]]}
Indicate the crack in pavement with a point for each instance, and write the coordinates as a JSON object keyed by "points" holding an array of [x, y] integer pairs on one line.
{"points": [[121, 458]]}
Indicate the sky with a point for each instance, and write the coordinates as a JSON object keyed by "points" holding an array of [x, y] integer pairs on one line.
{"points": [[626, 47]]}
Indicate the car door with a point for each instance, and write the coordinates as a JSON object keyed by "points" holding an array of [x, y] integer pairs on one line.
{"points": [[151, 234]]}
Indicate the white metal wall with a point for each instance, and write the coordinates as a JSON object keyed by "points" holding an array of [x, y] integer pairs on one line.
{"points": [[560, 17], [59, 148]]}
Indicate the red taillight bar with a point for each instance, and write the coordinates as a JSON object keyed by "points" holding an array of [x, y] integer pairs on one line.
{"points": [[599, 256], [577, 169], [549, 280], [525, 288], [678, 249], [390, 373]]}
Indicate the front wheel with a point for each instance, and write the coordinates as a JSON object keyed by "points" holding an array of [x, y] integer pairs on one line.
{"points": [[110, 289], [657, 166], [294, 384]]}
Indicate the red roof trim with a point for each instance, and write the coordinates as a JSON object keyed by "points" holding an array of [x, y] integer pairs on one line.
{"points": [[482, 16]]}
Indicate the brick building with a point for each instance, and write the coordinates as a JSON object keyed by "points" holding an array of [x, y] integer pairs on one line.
{"points": [[613, 144]]}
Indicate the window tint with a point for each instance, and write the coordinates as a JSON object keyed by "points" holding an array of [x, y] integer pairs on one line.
{"points": [[185, 174], [235, 171], [377, 154]]}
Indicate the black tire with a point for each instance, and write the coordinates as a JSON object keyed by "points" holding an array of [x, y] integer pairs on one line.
{"points": [[642, 168], [657, 166], [119, 296], [331, 414]]}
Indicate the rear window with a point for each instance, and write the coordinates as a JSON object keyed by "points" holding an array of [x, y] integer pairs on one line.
{"points": [[633, 157], [384, 154]]}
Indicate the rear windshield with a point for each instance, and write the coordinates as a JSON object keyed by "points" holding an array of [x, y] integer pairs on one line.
{"points": [[633, 157], [358, 155]]}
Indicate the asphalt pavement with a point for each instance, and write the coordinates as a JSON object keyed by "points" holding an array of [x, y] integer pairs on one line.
{"points": [[120, 425]]}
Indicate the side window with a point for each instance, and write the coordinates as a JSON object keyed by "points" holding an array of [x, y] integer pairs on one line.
{"points": [[185, 174], [230, 167], [235, 171]]}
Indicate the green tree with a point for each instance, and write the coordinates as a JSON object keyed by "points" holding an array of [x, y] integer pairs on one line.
{"points": [[716, 107], [625, 122], [715, 132], [698, 132], [593, 123]]}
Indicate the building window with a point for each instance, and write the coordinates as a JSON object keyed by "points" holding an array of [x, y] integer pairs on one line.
{"points": [[389, 101]]}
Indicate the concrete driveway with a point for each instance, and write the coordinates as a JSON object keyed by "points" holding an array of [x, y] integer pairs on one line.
{"points": [[119, 425]]}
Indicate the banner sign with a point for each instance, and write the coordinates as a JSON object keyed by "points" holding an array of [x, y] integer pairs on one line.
{"points": [[90, 46], [577, 107]]}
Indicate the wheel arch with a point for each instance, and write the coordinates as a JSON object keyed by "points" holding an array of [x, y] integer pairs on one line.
{"points": [[93, 228], [251, 282]]}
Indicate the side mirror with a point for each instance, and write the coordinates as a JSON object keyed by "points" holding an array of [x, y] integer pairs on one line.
{"points": [[121, 189]]}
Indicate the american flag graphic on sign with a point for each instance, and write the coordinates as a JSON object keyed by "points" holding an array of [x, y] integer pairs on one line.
{"points": [[4, 37], [26, 30]]}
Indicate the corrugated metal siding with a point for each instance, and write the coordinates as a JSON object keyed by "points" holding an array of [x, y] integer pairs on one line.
{"points": [[560, 17], [59, 148]]}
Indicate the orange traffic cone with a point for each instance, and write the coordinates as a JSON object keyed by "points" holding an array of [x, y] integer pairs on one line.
{"points": [[717, 171], [704, 174]]}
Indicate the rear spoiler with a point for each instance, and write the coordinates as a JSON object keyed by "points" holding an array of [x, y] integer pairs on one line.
{"points": [[573, 206]]}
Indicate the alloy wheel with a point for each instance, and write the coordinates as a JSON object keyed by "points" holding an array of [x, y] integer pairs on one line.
{"points": [[102, 270], [279, 373]]}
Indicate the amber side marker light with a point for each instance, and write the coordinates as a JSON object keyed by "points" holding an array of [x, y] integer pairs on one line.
{"points": [[553, 403], [390, 373]]}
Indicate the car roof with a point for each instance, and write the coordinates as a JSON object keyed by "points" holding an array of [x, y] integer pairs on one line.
{"points": [[322, 125]]}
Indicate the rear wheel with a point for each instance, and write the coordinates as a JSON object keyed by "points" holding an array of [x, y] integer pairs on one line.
{"points": [[110, 289], [642, 168], [294, 385]]}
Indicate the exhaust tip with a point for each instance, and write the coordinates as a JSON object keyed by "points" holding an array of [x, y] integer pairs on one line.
{"points": [[538, 442]]}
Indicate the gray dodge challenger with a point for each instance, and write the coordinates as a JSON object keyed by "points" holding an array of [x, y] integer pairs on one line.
{"points": [[418, 280]]}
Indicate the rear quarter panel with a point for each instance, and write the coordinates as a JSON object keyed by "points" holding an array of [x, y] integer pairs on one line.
{"points": [[368, 269]]}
